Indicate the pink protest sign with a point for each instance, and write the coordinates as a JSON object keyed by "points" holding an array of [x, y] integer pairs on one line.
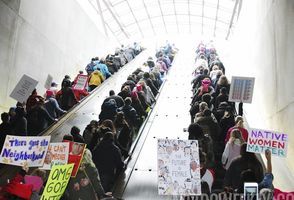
{"points": [[36, 181], [261, 140]]}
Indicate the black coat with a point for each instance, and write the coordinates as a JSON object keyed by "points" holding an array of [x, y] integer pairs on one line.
{"points": [[107, 158]]}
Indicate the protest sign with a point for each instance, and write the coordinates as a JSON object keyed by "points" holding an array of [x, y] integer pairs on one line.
{"points": [[18, 150], [81, 82], [178, 167], [48, 82], [57, 181], [57, 154], [241, 89], [76, 152], [35, 181], [23, 89], [261, 140]]}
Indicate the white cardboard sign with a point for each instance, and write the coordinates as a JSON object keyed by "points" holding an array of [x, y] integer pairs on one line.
{"points": [[48, 82], [23, 89], [241, 89], [178, 167]]}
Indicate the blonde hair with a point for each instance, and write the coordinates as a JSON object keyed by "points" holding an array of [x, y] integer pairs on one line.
{"points": [[239, 121], [223, 80], [236, 134]]}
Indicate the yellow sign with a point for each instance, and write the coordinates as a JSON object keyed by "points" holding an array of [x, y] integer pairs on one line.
{"points": [[57, 181]]}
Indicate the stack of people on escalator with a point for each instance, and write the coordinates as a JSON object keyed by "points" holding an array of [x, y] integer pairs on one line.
{"points": [[222, 137], [109, 138], [40, 111]]}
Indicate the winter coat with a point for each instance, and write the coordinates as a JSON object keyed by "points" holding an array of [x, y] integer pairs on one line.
{"points": [[38, 120], [232, 150], [52, 107], [107, 158], [96, 78]]}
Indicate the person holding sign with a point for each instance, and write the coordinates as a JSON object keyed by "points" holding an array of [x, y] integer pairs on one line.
{"points": [[25, 186]]}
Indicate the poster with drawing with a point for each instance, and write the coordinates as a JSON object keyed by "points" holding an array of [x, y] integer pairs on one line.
{"points": [[241, 89], [178, 167], [57, 154]]}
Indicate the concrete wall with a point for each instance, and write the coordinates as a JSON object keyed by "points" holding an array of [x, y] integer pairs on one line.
{"points": [[262, 46], [41, 37]]}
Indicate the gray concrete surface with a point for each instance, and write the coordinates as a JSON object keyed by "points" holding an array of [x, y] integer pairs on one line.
{"points": [[262, 47], [41, 37]]}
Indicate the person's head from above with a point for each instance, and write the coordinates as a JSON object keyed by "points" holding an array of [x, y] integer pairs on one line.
{"points": [[146, 75], [54, 84], [206, 98], [81, 72], [111, 93], [49, 94], [219, 74], [223, 105], [93, 59], [139, 87], [108, 136], [239, 121], [74, 130], [20, 112], [34, 92], [109, 124], [66, 83], [236, 135], [205, 71], [203, 106], [5, 117], [195, 130], [215, 67], [128, 101], [66, 77], [11, 111], [94, 123], [223, 90], [120, 117], [223, 80], [126, 88], [206, 81], [207, 112]]}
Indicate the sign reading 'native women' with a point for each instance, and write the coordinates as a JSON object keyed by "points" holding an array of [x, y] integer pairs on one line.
{"points": [[178, 167], [18, 150], [57, 182], [57, 154], [261, 140]]}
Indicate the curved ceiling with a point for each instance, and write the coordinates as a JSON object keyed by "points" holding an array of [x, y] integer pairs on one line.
{"points": [[126, 19]]}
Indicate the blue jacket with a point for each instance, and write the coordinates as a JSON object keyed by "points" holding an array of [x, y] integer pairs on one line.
{"points": [[103, 69]]}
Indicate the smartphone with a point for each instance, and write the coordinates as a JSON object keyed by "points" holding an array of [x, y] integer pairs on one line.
{"points": [[250, 191]]}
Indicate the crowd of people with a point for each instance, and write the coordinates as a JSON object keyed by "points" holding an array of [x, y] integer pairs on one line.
{"points": [[225, 165], [108, 138]]}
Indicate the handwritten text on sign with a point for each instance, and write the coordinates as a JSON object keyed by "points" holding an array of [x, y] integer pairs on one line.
{"points": [[178, 167], [23, 89], [57, 154], [57, 181], [18, 150], [261, 140]]}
